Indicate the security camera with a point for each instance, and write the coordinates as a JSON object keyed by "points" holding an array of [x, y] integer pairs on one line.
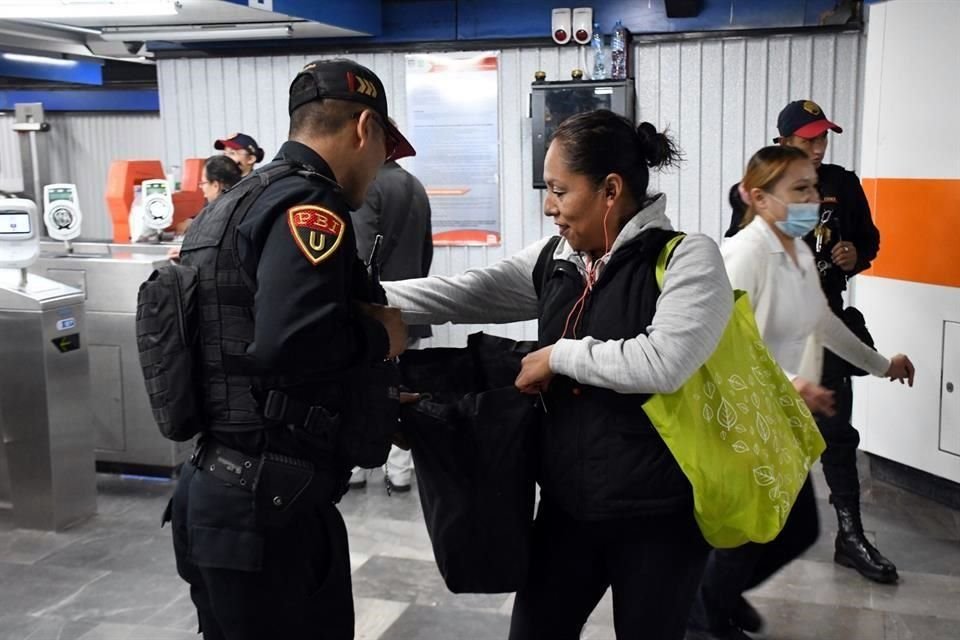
{"points": [[582, 25], [561, 26]]}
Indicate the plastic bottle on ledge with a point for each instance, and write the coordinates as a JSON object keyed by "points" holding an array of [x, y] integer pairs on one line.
{"points": [[596, 44], [618, 52]]}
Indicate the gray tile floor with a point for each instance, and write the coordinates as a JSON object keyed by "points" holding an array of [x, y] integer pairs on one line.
{"points": [[113, 577]]}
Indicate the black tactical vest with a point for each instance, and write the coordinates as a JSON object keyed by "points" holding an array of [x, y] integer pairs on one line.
{"points": [[226, 305], [601, 457]]}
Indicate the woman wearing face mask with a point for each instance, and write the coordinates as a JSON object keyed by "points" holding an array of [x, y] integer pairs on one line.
{"points": [[769, 260], [615, 510]]}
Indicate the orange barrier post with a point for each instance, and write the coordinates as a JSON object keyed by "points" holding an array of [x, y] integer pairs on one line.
{"points": [[124, 175]]}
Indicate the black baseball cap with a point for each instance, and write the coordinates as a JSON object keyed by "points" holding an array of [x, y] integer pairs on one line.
{"points": [[240, 141], [343, 79], [803, 118]]}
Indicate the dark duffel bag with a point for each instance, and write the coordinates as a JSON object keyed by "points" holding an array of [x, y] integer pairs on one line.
{"points": [[473, 437]]}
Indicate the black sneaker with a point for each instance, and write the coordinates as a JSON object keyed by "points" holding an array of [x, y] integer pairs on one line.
{"points": [[746, 616]]}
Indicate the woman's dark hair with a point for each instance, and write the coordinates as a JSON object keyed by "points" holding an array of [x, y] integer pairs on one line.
{"points": [[222, 169], [598, 143]]}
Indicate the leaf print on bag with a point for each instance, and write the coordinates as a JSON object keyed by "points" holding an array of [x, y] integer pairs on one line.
{"points": [[710, 389], [786, 401], [737, 383], [744, 409], [795, 422], [755, 399], [761, 375], [726, 414], [707, 413], [804, 411], [740, 446], [763, 427], [764, 476]]}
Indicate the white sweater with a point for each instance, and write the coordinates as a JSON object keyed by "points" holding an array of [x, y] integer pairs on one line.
{"points": [[791, 310], [692, 310]]}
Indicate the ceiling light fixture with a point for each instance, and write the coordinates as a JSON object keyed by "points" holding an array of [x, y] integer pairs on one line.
{"points": [[52, 9], [201, 33], [55, 62]]}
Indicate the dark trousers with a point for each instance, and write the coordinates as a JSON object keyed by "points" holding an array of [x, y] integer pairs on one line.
{"points": [[730, 572], [252, 582], [653, 567], [840, 458]]}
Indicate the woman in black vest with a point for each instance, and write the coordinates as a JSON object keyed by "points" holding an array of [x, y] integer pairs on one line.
{"points": [[616, 510]]}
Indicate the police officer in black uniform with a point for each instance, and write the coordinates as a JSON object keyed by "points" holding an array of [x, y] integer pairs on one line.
{"points": [[294, 386], [844, 243]]}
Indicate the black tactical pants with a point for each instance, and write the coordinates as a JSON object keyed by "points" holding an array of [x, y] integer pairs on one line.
{"points": [[653, 570], [840, 458], [253, 582]]}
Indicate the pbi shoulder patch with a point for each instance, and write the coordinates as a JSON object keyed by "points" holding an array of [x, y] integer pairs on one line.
{"points": [[317, 231]]}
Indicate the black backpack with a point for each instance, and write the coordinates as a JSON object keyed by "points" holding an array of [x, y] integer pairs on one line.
{"points": [[168, 327]]}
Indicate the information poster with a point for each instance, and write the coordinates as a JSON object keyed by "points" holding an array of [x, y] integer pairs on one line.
{"points": [[453, 122]]}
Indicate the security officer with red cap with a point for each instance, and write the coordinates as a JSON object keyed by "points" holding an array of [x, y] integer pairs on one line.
{"points": [[844, 243], [293, 382], [242, 149]]}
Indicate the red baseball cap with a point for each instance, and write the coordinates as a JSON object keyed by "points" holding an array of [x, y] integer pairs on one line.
{"points": [[803, 118], [240, 141]]}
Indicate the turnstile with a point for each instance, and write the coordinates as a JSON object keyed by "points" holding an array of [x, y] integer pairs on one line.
{"points": [[45, 417], [127, 438]]}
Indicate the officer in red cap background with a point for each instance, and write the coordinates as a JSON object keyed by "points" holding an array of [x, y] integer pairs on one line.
{"points": [[291, 352], [242, 149]]}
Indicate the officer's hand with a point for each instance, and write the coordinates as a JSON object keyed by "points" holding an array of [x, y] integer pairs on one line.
{"points": [[844, 255], [396, 328], [173, 254], [818, 399], [535, 373], [901, 369]]}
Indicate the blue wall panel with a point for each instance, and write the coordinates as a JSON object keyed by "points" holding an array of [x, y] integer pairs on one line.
{"points": [[80, 72], [416, 21], [82, 100]]}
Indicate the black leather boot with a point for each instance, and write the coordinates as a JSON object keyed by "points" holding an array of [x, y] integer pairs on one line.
{"points": [[853, 550]]}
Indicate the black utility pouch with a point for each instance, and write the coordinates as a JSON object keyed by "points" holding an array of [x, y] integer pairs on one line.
{"points": [[285, 486]]}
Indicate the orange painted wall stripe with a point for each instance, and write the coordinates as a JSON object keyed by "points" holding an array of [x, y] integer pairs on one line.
{"points": [[919, 222]]}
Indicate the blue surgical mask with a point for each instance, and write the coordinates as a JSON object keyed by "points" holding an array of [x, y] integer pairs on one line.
{"points": [[802, 217]]}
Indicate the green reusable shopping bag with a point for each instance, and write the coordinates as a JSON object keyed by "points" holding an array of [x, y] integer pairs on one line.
{"points": [[740, 432]]}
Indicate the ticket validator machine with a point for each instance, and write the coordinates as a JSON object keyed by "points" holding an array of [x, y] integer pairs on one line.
{"points": [[61, 212], [157, 204], [45, 416]]}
